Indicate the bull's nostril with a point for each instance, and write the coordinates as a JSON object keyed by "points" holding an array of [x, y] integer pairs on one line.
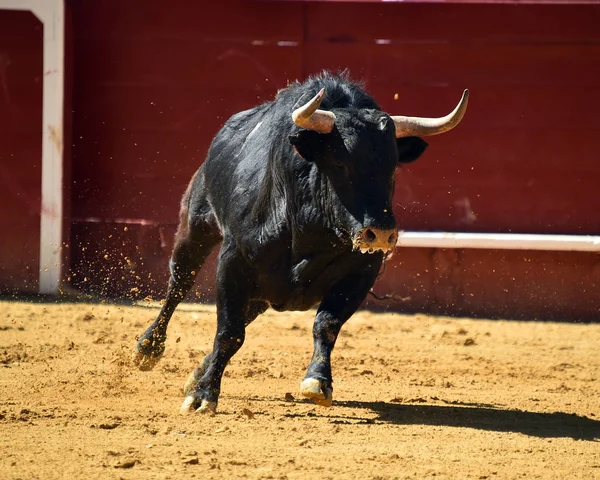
{"points": [[370, 235], [392, 238]]}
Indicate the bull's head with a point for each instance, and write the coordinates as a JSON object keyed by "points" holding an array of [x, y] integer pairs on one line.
{"points": [[359, 151]]}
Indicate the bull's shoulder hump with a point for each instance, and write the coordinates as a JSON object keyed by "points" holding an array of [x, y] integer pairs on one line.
{"points": [[247, 118]]}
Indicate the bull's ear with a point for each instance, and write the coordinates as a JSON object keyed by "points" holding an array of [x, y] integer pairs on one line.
{"points": [[410, 148], [308, 144]]}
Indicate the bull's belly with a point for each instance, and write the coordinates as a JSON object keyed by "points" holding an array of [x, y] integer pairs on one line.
{"points": [[306, 283], [297, 303], [285, 295]]}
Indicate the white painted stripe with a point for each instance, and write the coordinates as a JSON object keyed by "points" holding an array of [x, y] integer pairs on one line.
{"points": [[510, 241], [52, 15]]}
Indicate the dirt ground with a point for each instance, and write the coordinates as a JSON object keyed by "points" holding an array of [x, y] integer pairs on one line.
{"points": [[414, 397]]}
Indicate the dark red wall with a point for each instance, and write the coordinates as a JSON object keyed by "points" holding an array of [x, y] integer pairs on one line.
{"points": [[522, 161], [152, 85], [21, 64], [492, 283]]}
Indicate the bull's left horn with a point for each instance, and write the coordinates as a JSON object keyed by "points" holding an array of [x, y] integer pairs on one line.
{"points": [[418, 126], [310, 117]]}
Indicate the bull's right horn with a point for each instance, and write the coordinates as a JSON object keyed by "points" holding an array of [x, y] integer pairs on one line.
{"points": [[310, 117], [420, 126]]}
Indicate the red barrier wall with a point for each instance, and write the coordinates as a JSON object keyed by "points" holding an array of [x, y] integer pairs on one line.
{"points": [[21, 50], [152, 85]]}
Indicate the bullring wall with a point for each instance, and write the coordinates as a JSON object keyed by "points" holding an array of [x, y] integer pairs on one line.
{"points": [[153, 84]]}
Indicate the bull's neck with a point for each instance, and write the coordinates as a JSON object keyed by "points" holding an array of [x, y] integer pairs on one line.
{"points": [[313, 217]]}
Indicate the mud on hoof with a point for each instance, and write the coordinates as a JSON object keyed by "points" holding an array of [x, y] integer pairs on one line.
{"points": [[146, 353], [189, 405], [317, 390], [143, 360]]}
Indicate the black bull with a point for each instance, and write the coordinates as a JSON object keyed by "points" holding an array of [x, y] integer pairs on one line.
{"points": [[299, 194]]}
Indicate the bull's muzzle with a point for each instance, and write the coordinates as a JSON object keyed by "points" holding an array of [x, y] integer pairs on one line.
{"points": [[372, 239]]}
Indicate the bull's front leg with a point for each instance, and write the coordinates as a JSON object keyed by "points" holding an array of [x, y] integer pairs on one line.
{"points": [[234, 311], [338, 306]]}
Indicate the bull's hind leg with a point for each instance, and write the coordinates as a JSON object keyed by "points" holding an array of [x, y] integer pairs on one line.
{"points": [[188, 256], [337, 307], [185, 262], [196, 237], [254, 310], [234, 311]]}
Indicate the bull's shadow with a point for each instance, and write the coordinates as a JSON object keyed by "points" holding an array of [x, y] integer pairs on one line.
{"points": [[481, 417]]}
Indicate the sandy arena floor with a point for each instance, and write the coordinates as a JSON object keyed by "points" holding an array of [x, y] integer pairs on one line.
{"points": [[415, 397]]}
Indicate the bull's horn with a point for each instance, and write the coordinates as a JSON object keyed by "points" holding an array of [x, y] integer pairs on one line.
{"points": [[308, 116], [418, 126]]}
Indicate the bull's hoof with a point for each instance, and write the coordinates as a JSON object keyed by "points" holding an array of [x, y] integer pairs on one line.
{"points": [[317, 390], [206, 406], [144, 362]]}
